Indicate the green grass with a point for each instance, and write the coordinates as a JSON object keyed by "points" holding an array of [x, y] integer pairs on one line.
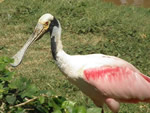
{"points": [[88, 27]]}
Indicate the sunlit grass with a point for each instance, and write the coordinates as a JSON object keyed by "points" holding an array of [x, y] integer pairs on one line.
{"points": [[88, 27]]}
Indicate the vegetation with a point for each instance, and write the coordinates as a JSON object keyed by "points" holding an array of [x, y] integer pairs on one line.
{"points": [[19, 95], [88, 27]]}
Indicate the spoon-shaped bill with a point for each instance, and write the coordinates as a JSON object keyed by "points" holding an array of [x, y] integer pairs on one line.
{"points": [[37, 34]]}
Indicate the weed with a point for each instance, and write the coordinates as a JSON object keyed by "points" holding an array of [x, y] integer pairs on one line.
{"points": [[87, 27]]}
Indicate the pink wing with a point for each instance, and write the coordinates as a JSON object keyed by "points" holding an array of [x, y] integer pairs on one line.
{"points": [[121, 83]]}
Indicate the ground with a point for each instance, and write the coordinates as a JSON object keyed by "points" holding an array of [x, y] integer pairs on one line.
{"points": [[87, 27]]}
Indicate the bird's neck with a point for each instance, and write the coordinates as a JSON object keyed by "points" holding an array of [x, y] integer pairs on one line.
{"points": [[56, 44]]}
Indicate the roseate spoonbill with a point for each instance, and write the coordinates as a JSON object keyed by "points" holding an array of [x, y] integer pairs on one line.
{"points": [[105, 79]]}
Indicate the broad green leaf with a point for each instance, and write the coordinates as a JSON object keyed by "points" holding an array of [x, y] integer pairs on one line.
{"points": [[57, 111], [12, 85], [20, 110], [1, 89], [42, 99], [29, 91], [11, 99], [8, 76], [2, 66], [81, 109], [68, 104], [94, 110]]}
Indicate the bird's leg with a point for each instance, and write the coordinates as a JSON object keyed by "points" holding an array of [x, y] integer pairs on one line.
{"points": [[102, 110], [113, 104]]}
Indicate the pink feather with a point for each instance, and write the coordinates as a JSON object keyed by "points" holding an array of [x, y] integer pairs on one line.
{"points": [[120, 83]]}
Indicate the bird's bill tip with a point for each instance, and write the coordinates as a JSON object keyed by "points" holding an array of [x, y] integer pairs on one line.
{"points": [[19, 56], [15, 63], [36, 35]]}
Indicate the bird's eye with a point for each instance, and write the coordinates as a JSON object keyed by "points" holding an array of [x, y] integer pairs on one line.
{"points": [[46, 23]]}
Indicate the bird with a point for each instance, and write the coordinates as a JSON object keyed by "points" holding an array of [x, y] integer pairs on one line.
{"points": [[103, 78]]}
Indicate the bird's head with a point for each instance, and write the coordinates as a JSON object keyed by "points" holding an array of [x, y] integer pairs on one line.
{"points": [[45, 23]]}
